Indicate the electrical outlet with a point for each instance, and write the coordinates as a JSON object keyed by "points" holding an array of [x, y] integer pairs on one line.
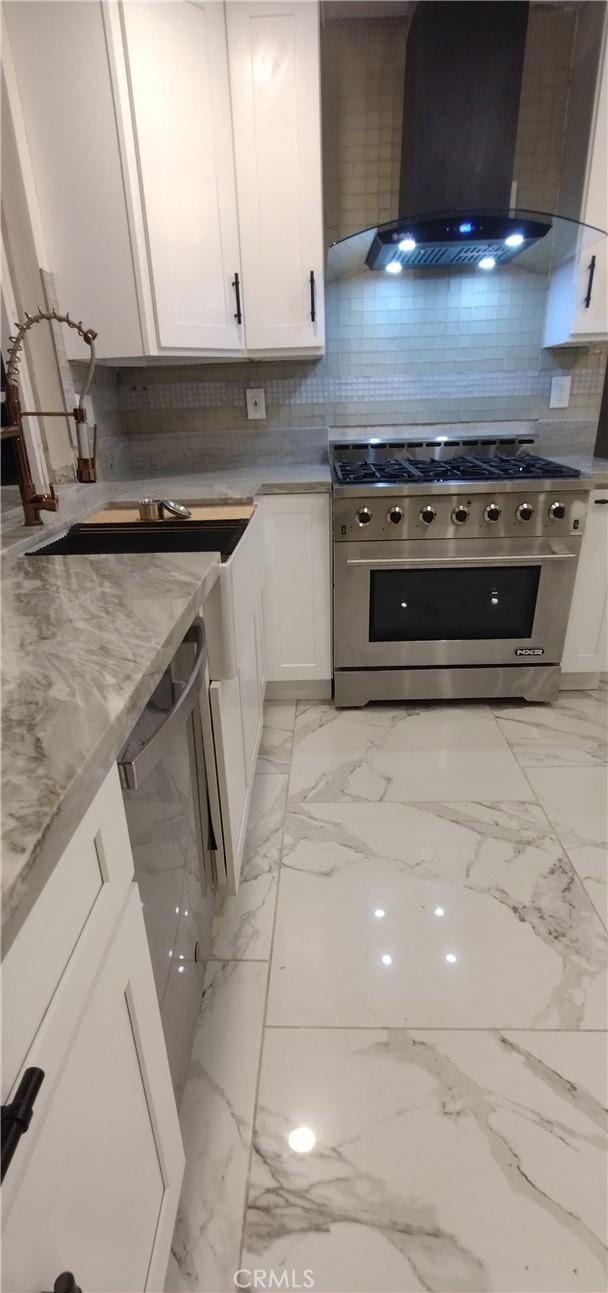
{"points": [[256, 402], [560, 392]]}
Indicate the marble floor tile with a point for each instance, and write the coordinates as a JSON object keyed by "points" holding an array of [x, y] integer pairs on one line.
{"points": [[277, 737], [402, 754], [242, 926], [573, 731], [576, 803], [435, 915], [217, 1119], [466, 1162]]}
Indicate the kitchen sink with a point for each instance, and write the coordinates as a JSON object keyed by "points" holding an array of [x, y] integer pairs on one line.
{"points": [[148, 536]]}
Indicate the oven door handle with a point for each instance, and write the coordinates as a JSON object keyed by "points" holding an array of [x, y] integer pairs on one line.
{"points": [[410, 563], [134, 768]]}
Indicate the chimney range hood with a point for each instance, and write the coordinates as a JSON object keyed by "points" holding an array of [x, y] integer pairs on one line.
{"points": [[463, 77]]}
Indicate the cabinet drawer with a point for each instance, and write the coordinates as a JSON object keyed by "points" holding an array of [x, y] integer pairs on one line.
{"points": [[89, 883]]}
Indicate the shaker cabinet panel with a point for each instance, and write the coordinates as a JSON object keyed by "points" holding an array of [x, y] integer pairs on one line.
{"points": [[275, 86], [178, 72], [297, 592], [586, 645], [97, 1177]]}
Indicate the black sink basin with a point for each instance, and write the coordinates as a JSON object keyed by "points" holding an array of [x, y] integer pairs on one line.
{"points": [[147, 536]]}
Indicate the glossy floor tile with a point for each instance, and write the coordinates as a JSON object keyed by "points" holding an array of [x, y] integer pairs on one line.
{"points": [[440, 915], [400, 755], [576, 802], [277, 737], [573, 731], [216, 1118], [451, 1161], [417, 952], [242, 925]]}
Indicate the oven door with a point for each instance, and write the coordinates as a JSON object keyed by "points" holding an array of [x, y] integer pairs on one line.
{"points": [[416, 604]]}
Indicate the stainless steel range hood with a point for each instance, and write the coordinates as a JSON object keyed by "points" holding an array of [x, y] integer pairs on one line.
{"points": [[461, 105]]}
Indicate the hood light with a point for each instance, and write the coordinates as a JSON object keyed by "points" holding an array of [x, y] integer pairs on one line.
{"points": [[465, 227], [393, 267], [514, 240], [408, 243], [487, 262]]}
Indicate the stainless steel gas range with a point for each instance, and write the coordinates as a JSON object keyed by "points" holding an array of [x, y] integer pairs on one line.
{"points": [[454, 566]]}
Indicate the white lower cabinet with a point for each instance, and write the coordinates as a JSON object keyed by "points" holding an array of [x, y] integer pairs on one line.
{"points": [[94, 1184], [297, 589], [586, 645]]}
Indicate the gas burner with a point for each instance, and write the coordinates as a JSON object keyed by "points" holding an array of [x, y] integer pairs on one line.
{"points": [[467, 467]]}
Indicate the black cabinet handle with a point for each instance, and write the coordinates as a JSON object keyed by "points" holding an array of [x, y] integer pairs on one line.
{"points": [[600, 502], [313, 297], [237, 292], [590, 282], [17, 1116]]}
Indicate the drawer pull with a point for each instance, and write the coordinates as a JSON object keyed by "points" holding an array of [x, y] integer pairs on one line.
{"points": [[17, 1116], [600, 502]]}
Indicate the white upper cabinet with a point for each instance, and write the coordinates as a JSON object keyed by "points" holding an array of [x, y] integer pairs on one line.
{"points": [[577, 303], [178, 73], [181, 201], [275, 85]]}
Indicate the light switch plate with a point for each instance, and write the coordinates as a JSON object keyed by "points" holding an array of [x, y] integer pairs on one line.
{"points": [[560, 392], [256, 402]]}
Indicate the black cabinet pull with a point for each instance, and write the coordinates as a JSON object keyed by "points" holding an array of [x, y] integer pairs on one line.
{"points": [[313, 297], [237, 292], [600, 502], [17, 1116], [590, 282], [65, 1283]]}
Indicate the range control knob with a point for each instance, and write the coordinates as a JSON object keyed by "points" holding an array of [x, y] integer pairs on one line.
{"points": [[524, 512], [428, 514], [557, 511], [492, 512], [395, 515], [460, 514], [364, 516]]}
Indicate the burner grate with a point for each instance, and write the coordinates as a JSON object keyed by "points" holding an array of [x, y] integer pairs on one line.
{"points": [[467, 467]]}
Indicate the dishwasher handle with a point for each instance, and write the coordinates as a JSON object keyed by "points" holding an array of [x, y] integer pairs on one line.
{"points": [[135, 767]]}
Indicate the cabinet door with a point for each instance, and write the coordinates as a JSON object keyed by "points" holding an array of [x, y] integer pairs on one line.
{"points": [[275, 85], [93, 1187], [590, 304], [178, 71], [61, 62], [586, 646], [297, 592]]}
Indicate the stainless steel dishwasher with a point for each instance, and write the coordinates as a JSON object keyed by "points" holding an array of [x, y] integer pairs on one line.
{"points": [[170, 792]]}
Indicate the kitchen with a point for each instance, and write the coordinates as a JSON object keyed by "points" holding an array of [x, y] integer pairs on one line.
{"points": [[291, 821]]}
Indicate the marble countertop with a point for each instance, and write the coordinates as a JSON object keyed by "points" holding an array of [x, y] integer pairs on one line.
{"points": [[78, 501], [85, 640]]}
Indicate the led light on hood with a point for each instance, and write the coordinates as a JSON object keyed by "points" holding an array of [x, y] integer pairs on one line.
{"points": [[393, 267], [487, 262], [514, 240], [465, 227], [408, 243]]}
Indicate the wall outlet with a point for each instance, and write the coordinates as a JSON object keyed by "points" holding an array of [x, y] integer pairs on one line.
{"points": [[560, 392], [256, 402]]}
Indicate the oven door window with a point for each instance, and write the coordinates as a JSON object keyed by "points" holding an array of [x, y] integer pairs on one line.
{"points": [[463, 604]]}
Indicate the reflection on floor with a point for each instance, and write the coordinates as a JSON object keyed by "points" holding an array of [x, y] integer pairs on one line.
{"points": [[411, 980]]}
